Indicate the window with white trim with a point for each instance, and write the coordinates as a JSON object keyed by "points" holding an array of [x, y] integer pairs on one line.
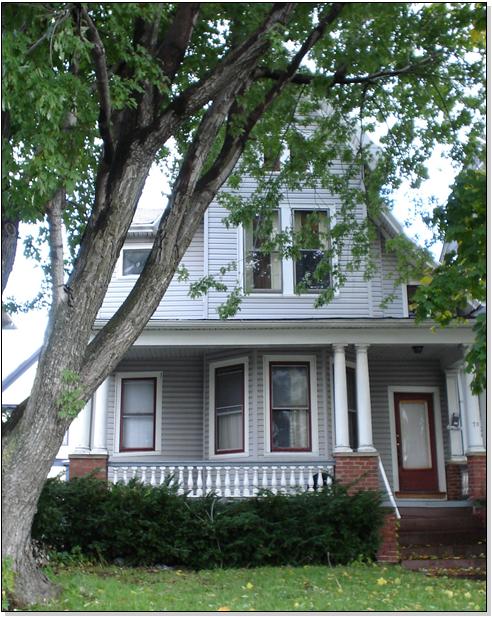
{"points": [[311, 273], [290, 407], [133, 260], [138, 413], [229, 409], [263, 266]]}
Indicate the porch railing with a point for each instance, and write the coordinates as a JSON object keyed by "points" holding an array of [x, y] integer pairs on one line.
{"points": [[227, 480]]}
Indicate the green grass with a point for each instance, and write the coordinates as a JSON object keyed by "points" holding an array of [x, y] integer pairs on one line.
{"points": [[358, 587]]}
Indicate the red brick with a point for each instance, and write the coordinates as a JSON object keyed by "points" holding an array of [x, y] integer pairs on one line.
{"points": [[477, 476], [358, 472], [389, 549], [453, 480], [85, 464]]}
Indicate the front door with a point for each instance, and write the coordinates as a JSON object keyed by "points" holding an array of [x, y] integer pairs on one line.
{"points": [[416, 442]]}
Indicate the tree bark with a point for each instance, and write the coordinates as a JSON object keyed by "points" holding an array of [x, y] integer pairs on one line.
{"points": [[10, 232]]}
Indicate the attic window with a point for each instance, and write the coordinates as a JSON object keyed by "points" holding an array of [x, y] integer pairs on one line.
{"points": [[314, 226], [134, 261]]}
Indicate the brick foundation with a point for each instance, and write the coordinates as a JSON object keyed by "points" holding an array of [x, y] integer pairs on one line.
{"points": [[358, 471], [389, 551], [83, 464], [454, 485], [477, 476]]}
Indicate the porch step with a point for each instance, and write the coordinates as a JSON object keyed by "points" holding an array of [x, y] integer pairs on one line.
{"points": [[450, 541], [443, 551], [469, 568]]}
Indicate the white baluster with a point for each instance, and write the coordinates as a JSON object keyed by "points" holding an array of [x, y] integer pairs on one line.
{"points": [[125, 475], [246, 492], [173, 480], [162, 471], [199, 482], [302, 483], [329, 473], [274, 480], [144, 475], [218, 483], [237, 492], [152, 476], [264, 479], [181, 489], [190, 486], [208, 480], [227, 483], [115, 474], [292, 480], [310, 479], [320, 478], [134, 472], [255, 480], [283, 481]]}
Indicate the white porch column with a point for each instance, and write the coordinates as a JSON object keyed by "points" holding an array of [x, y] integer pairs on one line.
{"points": [[82, 426], [455, 416], [472, 419], [364, 420], [342, 443], [100, 414]]}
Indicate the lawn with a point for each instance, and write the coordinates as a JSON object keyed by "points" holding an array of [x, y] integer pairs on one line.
{"points": [[357, 587]]}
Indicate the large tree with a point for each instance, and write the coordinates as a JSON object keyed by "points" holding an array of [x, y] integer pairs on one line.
{"points": [[94, 94]]}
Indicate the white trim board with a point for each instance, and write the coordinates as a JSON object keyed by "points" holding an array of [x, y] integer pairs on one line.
{"points": [[441, 473]]}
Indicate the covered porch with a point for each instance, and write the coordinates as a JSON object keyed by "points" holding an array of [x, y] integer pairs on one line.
{"points": [[384, 398]]}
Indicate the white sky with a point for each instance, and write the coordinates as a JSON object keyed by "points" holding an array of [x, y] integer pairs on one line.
{"points": [[25, 280]]}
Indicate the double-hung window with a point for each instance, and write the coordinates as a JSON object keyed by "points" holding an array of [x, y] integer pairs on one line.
{"points": [[263, 271], [290, 407], [229, 409], [138, 413], [311, 227]]}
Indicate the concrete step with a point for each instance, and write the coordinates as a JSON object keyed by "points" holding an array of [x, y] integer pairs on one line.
{"points": [[443, 551], [443, 524]]}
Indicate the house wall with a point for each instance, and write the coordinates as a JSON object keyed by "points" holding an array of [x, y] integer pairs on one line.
{"points": [[176, 303], [182, 408]]}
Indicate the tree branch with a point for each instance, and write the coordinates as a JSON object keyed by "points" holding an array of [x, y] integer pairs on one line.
{"points": [[340, 78], [102, 82], [54, 213]]}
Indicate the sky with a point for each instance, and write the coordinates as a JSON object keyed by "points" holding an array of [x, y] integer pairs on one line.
{"points": [[26, 277]]}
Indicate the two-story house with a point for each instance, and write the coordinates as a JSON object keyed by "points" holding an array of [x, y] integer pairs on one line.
{"points": [[284, 394]]}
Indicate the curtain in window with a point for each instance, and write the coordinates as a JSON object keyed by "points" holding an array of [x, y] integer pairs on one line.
{"points": [[290, 406]]}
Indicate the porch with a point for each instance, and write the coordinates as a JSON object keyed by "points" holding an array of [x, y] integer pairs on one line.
{"points": [[345, 419]]}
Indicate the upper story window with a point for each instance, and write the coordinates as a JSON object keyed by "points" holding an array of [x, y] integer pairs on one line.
{"points": [[263, 271], [134, 260], [411, 289], [312, 227], [290, 407], [138, 413]]}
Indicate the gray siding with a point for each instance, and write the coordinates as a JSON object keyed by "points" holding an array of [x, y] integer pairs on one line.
{"points": [[182, 407], [385, 373], [176, 304]]}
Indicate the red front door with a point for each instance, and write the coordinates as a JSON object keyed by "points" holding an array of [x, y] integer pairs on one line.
{"points": [[416, 442]]}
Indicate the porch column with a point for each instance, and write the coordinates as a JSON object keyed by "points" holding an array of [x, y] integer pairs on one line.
{"points": [[473, 420], [342, 443], [100, 414], [83, 430], [364, 420]]}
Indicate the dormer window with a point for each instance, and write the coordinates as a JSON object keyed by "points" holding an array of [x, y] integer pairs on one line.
{"points": [[263, 270], [312, 229], [134, 261]]}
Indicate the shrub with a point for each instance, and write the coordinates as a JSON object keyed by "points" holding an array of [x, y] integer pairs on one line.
{"points": [[143, 525]]}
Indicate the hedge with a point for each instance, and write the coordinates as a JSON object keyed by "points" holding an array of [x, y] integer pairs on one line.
{"points": [[139, 524]]}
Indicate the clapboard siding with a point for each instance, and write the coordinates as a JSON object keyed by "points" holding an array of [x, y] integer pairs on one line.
{"points": [[182, 407], [394, 308], [176, 303], [417, 373], [353, 300]]}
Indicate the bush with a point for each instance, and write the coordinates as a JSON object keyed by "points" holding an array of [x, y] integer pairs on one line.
{"points": [[138, 524]]}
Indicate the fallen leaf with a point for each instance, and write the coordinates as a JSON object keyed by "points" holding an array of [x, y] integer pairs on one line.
{"points": [[223, 609], [382, 581], [249, 585]]}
